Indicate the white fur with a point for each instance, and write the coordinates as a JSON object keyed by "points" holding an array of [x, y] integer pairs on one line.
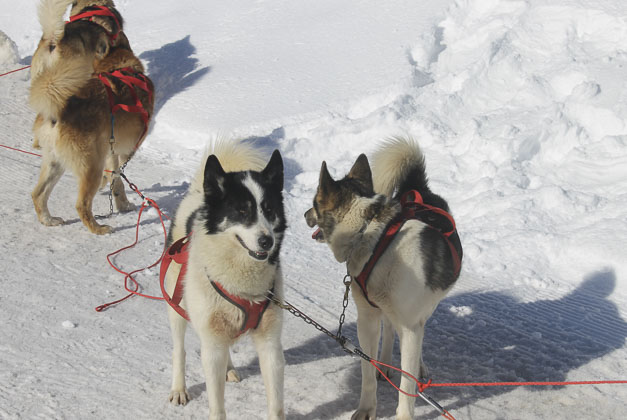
{"points": [[391, 162], [50, 13], [221, 258]]}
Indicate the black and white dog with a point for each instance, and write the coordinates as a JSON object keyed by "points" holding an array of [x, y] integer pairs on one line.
{"points": [[410, 277], [234, 220]]}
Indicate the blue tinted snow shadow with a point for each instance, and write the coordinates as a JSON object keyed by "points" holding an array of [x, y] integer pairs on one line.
{"points": [[173, 69], [498, 338]]}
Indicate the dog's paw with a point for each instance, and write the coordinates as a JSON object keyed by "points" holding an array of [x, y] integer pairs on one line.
{"points": [[125, 207], [178, 397], [232, 376], [364, 414], [102, 229], [51, 221]]}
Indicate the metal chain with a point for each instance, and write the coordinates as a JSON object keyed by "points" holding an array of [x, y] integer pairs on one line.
{"points": [[347, 282], [343, 341], [346, 344]]}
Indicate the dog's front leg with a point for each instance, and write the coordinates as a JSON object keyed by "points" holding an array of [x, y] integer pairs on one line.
{"points": [[214, 354], [368, 331], [271, 362], [178, 325], [411, 351]]}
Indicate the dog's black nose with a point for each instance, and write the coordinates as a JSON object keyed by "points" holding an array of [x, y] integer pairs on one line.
{"points": [[266, 242]]}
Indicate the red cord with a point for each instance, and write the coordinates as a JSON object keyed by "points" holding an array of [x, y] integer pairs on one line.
{"points": [[19, 150], [128, 276], [423, 386], [13, 71]]}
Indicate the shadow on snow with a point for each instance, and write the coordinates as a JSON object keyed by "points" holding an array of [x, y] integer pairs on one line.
{"points": [[494, 339]]}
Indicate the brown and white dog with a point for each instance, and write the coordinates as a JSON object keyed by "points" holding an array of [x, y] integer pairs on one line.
{"points": [[411, 276], [74, 123]]}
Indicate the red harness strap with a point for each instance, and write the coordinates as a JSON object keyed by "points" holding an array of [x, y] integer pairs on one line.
{"points": [[253, 311], [92, 11], [133, 79], [413, 207], [178, 252]]}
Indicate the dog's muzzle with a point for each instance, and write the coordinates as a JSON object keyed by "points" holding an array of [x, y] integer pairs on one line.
{"points": [[312, 221], [258, 255]]}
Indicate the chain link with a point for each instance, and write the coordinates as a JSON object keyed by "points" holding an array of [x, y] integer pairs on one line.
{"points": [[347, 282]]}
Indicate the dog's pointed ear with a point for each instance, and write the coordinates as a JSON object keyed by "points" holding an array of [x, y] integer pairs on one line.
{"points": [[102, 46], [326, 184], [361, 172], [214, 177], [273, 172]]}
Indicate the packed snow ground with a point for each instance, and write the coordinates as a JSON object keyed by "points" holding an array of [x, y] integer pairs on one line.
{"points": [[521, 109]]}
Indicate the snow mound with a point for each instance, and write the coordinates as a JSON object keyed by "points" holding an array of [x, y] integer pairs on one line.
{"points": [[8, 53]]}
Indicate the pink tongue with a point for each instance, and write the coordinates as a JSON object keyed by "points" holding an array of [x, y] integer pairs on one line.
{"points": [[315, 234]]}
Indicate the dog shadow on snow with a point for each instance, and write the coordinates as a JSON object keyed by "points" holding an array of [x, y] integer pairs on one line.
{"points": [[173, 69], [487, 337]]}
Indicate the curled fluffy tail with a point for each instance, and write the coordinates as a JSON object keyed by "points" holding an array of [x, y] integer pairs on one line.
{"points": [[50, 13], [234, 156], [51, 89], [398, 165]]}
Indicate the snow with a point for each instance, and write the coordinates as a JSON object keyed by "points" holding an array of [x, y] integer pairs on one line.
{"points": [[521, 109]]}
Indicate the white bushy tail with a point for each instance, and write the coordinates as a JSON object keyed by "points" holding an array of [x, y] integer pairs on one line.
{"points": [[50, 13], [394, 160]]}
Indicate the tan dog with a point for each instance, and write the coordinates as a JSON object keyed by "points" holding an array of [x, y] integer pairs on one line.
{"points": [[412, 275], [74, 113]]}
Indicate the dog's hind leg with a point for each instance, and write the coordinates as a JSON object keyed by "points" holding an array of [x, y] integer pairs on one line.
{"points": [[272, 365], [49, 175], [89, 181], [215, 355], [178, 325], [231, 374], [121, 201], [387, 345], [368, 331], [411, 360]]}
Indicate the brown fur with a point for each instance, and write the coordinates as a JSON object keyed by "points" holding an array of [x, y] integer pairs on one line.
{"points": [[74, 119]]}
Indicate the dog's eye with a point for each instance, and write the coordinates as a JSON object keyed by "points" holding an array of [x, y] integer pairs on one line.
{"points": [[51, 47], [265, 207]]}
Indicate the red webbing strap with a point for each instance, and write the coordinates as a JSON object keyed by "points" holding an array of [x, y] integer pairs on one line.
{"points": [[133, 80], [99, 11], [379, 249], [178, 253], [411, 204], [253, 311]]}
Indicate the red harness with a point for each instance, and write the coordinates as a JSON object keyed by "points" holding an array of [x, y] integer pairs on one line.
{"points": [[413, 207], [178, 252], [133, 79], [99, 11]]}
